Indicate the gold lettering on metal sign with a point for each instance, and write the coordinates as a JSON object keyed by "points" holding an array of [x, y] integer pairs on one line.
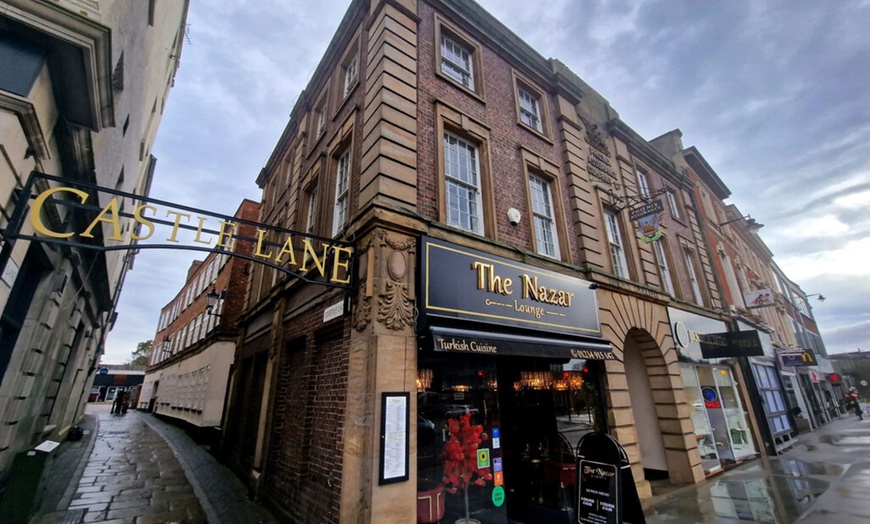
{"points": [[489, 281], [110, 215]]}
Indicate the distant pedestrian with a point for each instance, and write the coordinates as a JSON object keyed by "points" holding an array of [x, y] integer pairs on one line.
{"points": [[118, 402], [125, 402], [854, 404]]}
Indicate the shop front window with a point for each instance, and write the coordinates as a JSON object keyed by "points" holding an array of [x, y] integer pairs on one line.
{"points": [[531, 413], [720, 423]]}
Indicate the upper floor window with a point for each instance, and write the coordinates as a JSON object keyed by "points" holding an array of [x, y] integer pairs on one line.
{"points": [[462, 174], [319, 120], [351, 71], [617, 248], [530, 112], [693, 278], [342, 193], [672, 203], [311, 209], [546, 239], [643, 184], [456, 61], [664, 268]]}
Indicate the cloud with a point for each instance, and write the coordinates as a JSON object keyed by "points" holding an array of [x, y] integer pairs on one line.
{"points": [[774, 95]]}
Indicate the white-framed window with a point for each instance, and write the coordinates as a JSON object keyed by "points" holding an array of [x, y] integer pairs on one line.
{"points": [[456, 61], [643, 184], [311, 212], [342, 192], [546, 239], [530, 111], [672, 203], [351, 69], [462, 174], [617, 249], [320, 121], [664, 270], [693, 278]]}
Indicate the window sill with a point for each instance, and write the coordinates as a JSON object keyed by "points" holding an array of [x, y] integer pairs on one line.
{"points": [[532, 130], [471, 92]]}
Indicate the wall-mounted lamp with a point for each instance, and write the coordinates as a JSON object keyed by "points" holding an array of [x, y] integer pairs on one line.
{"points": [[212, 298], [820, 299], [751, 224], [164, 346]]}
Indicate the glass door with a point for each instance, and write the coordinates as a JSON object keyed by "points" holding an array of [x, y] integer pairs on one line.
{"points": [[742, 445], [529, 415]]}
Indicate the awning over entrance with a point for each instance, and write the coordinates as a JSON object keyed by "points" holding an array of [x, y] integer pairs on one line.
{"points": [[486, 342]]}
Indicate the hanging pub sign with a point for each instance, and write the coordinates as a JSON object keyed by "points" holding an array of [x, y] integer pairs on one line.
{"points": [[798, 358], [86, 216], [731, 344], [758, 298], [647, 218], [459, 283]]}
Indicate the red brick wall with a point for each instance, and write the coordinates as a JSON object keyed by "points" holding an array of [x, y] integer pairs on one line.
{"points": [[303, 479], [498, 112]]}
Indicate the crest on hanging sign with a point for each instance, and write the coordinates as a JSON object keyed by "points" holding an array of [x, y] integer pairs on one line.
{"points": [[647, 219]]}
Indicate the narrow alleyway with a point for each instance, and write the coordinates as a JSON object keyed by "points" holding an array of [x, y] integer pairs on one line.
{"points": [[136, 469]]}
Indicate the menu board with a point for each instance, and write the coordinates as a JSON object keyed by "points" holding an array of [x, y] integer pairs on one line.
{"points": [[599, 493], [394, 437]]}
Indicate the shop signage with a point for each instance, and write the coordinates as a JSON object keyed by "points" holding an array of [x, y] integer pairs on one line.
{"points": [[711, 398], [687, 329], [106, 220], [462, 283], [606, 493], [731, 344], [492, 343], [798, 358]]}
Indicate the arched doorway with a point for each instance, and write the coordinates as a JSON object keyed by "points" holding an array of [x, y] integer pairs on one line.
{"points": [[640, 355]]}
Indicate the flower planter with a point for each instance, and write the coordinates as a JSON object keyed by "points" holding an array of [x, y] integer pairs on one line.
{"points": [[430, 502]]}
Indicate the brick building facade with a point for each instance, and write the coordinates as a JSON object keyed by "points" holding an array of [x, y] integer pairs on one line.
{"points": [[195, 342], [431, 136]]}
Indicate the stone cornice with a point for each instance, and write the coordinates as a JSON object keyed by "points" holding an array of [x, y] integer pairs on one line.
{"points": [[640, 147]]}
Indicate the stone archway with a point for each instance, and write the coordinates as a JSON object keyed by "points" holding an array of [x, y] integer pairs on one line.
{"points": [[643, 366], [636, 325]]}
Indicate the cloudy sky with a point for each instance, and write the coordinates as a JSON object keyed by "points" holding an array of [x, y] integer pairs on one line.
{"points": [[773, 93]]}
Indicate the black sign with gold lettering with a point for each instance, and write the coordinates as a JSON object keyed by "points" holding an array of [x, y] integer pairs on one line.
{"points": [[492, 343], [462, 283], [606, 493], [731, 344]]}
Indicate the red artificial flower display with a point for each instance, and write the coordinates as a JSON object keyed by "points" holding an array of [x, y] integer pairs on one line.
{"points": [[460, 454]]}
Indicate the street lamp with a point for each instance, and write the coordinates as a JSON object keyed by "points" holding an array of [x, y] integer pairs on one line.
{"points": [[751, 224], [164, 347], [820, 299], [212, 298]]}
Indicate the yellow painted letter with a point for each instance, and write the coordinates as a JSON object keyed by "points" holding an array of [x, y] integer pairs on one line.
{"points": [[137, 216], [36, 210], [111, 208]]}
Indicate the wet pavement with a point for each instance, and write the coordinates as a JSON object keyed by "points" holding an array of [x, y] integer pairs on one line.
{"points": [[136, 469], [823, 478]]}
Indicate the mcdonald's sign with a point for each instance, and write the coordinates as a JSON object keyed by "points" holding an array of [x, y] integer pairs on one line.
{"points": [[798, 358]]}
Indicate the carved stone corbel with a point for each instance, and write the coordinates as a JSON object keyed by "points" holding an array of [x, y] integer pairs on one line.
{"points": [[396, 297]]}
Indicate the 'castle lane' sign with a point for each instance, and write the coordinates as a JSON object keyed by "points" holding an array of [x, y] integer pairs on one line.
{"points": [[93, 217]]}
